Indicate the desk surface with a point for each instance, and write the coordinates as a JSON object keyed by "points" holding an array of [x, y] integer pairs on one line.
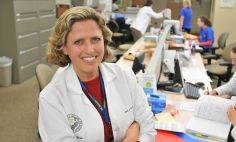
{"points": [[196, 61]]}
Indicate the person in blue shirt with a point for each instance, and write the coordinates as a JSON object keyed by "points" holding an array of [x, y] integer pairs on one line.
{"points": [[206, 34], [185, 15]]}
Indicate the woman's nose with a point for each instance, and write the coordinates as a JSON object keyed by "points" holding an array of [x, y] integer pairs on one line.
{"points": [[89, 46]]}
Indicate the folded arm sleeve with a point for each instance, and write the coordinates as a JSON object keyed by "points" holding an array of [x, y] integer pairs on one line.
{"points": [[228, 88], [154, 14], [143, 114]]}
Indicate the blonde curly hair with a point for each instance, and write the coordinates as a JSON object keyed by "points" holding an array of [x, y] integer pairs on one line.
{"points": [[61, 29], [187, 3]]}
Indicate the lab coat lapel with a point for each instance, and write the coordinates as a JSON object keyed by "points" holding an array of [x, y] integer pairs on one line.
{"points": [[109, 75], [74, 86]]}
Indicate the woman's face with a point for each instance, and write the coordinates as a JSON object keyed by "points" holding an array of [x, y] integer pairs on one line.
{"points": [[85, 46], [200, 23]]}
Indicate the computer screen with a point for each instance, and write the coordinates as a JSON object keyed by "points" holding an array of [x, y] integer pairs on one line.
{"points": [[155, 65], [178, 79], [175, 25]]}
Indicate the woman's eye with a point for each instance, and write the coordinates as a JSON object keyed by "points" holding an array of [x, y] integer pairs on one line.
{"points": [[96, 39], [78, 42]]}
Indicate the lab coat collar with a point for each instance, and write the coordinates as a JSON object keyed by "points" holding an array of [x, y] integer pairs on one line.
{"points": [[73, 83]]}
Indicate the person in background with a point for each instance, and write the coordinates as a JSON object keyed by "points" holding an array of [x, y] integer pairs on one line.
{"points": [[185, 15], [88, 99], [226, 91], [115, 7], [206, 34], [229, 89], [143, 19]]}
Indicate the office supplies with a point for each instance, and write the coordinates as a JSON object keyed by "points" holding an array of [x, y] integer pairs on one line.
{"points": [[166, 136], [210, 119], [157, 101], [148, 83], [129, 56], [165, 121]]}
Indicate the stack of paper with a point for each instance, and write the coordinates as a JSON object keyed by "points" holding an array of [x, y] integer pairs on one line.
{"points": [[195, 74], [165, 121]]}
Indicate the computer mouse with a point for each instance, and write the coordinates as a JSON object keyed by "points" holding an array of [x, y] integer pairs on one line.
{"points": [[200, 84]]}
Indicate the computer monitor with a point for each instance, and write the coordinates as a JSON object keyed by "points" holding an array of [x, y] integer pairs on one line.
{"points": [[175, 82], [175, 25], [178, 78], [138, 62], [155, 65]]}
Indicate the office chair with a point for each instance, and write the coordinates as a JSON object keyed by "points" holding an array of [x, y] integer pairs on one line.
{"points": [[44, 74], [117, 37], [125, 29], [221, 42], [222, 70], [217, 50]]}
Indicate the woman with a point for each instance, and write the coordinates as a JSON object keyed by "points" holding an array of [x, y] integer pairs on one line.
{"points": [[206, 34], [142, 20], [186, 16], [87, 99]]}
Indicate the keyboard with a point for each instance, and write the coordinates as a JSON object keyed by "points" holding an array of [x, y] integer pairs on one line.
{"points": [[191, 90]]}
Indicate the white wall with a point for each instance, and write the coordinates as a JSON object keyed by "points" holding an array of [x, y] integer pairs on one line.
{"points": [[63, 2], [223, 20]]}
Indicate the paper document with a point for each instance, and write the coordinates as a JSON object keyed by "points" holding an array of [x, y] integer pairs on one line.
{"points": [[211, 108], [165, 121], [210, 118], [164, 117], [194, 74]]}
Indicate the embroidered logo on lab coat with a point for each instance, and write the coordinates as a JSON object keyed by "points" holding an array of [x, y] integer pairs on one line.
{"points": [[75, 122]]}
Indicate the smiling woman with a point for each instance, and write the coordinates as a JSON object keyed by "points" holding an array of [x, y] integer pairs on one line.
{"points": [[87, 99]]}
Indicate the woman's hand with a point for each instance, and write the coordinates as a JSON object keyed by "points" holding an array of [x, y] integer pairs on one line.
{"points": [[232, 115], [212, 93], [132, 134]]}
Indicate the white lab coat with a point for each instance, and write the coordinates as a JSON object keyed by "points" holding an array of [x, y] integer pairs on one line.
{"points": [[229, 88], [143, 18], [66, 114]]}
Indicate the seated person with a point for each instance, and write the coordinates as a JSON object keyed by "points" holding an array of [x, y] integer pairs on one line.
{"points": [[206, 34], [87, 99], [229, 89], [226, 91]]}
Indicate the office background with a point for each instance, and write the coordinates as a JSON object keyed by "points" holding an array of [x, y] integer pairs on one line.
{"points": [[18, 103], [221, 17]]}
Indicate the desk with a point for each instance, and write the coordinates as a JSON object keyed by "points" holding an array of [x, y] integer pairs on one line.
{"points": [[183, 116]]}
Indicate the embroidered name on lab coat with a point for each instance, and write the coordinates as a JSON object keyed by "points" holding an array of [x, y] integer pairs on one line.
{"points": [[129, 109]]}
